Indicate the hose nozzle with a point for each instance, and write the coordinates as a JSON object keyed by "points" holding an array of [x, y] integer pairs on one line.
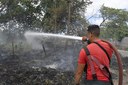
{"points": [[84, 38]]}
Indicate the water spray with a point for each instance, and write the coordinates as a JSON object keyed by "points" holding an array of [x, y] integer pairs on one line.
{"points": [[52, 35]]}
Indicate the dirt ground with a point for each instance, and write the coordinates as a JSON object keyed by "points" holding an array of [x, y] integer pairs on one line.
{"points": [[14, 70]]}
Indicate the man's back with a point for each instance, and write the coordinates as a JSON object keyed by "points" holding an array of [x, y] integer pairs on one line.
{"points": [[99, 54], [93, 33]]}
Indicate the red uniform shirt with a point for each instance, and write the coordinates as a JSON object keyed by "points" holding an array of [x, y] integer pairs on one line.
{"points": [[97, 52]]}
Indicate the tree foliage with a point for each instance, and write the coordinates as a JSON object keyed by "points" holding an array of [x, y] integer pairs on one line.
{"points": [[50, 15], [115, 22]]}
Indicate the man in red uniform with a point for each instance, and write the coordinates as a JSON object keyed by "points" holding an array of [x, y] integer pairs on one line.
{"points": [[97, 53]]}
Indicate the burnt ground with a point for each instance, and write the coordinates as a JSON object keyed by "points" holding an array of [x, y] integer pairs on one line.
{"points": [[15, 71]]}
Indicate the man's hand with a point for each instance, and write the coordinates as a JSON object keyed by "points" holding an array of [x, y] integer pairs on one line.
{"points": [[84, 38]]}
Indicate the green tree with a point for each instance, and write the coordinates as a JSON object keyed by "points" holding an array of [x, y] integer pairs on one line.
{"points": [[50, 15], [115, 22]]}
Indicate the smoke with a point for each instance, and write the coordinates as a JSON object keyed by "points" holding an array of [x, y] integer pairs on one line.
{"points": [[34, 41], [61, 52], [37, 40], [3, 38]]}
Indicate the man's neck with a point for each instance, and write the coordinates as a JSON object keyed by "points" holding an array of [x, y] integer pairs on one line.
{"points": [[95, 39]]}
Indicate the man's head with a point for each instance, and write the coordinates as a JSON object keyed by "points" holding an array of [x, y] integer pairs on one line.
{"points": [[93, 32]]}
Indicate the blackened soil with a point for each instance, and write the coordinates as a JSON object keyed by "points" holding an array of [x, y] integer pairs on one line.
{"points": [[13, 71]]}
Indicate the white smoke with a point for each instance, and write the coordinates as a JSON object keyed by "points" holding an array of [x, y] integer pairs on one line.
{"points": [[36, 39], [3, 38], [57, 56]]}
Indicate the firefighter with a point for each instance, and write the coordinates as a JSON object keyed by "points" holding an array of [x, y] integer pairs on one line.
{"points": [[94, 59]]}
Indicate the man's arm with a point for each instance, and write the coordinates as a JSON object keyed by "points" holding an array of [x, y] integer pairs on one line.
{"points": [[78, 74]]}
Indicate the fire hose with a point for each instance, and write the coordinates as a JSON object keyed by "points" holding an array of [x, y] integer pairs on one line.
{"points": [[118, 57]]}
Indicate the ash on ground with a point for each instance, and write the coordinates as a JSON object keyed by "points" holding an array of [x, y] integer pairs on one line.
{"points": [[27, 68]]}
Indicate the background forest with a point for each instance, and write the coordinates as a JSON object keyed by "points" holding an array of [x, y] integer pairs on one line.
{"points": [[58, 16]]}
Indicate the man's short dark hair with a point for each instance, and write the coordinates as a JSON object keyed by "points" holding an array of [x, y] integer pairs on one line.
{"points": [[95, 29]]}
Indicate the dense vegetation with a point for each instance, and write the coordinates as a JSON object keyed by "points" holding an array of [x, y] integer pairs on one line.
{"points": [[115, 22], [57, 16]]}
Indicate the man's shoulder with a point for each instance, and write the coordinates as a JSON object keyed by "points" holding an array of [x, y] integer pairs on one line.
{"points": [[91, 45]]}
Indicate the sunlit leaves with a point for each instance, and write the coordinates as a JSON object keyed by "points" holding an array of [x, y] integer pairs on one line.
{"points": [[115, 22]]}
